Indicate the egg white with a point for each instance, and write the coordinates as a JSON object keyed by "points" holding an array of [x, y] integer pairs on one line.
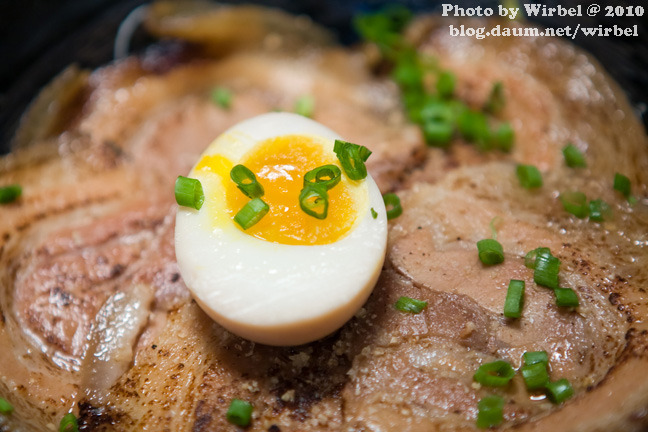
{"points": [[274, 293]]}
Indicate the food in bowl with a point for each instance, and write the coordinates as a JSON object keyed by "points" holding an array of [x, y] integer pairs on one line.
{"points": [[97, 320]]}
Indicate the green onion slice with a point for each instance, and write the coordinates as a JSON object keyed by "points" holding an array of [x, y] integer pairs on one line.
{"points": [[566, 297], [495, 221], [622, 184], [393, 205], [529, 176], [189, 192], [437, 134], [446, 84], [239, 412], [533, 357], [530, 257], [437, 119], [473, 125], [491, 411], [414, 103], [490, 251], [305, 106], [246, 181], [494, 374], [535, 375], [328, 175], [503, 137], [496, 100], [514, 299], [408, 304], [5, 407], [408, 73], [600, 211], [575, 203], [559, 391], [313, 200], [69, 423], [222, 97], [374, 214], [352, 158], [573, 157], [546, 270], [384, 27], [251, 213], [10, 193]]}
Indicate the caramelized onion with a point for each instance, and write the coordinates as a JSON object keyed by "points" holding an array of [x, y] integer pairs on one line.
{"points": [[112, 339]]}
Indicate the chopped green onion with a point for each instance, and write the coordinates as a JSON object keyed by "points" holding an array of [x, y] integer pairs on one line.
{"points": [[496, 100], [239, 412], [408, 73], [573, 157], [535, 375], [438, 123], [414, 103], [5, 407], [546, 270], [533, 357], [446, 84], [189, 192], [566, 297], [383, 28], [364, 153], [493, 222], [491, 411], [251, 213], [575, 203], [490, 251], [352, 158], [393, 205], [434, 110], [10, 193], [473, 125], [457, 108], [69, 423], [494, 374], [246, 181], [530, 257], [514, 299], [374, 214], [408, 304], [529, 176], [622, 184], [222, 97], [437, 134], [328, 175], [305, 106], [503, 137], [559, 391], [599, 211], [313, 200]]}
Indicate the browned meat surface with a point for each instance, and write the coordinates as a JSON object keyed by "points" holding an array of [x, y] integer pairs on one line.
{"points": [[433, 246], [95, 317], [555, 94]]}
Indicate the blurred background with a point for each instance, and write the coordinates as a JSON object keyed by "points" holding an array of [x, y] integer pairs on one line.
{"points": [[39, 38]]}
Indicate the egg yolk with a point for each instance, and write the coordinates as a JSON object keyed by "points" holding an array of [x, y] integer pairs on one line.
{"points": [[280, 164]]}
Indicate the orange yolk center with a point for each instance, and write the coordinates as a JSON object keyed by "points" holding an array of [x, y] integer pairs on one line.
{"points": [[280, 164]]}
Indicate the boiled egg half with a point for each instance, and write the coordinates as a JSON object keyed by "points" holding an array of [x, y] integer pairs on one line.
{"points": [[291, 278]]}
